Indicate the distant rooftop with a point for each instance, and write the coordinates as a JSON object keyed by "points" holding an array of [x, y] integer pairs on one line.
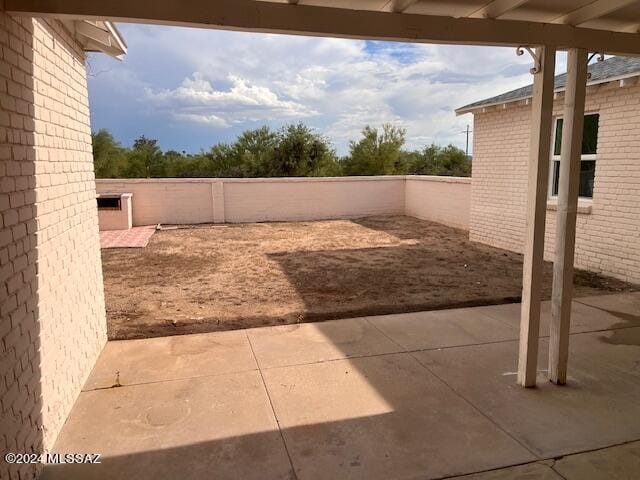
{"points": [[614, 68]]}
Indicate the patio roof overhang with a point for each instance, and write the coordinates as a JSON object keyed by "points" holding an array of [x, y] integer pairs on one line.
{"points": [[607, 26], [579, 26]]}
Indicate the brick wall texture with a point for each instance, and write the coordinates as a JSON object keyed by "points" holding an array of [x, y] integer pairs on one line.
{"points": [[51, 297], [608, 227]]}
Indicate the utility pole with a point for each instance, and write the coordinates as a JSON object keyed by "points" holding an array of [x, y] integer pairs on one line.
{"points": [[467, 131]]}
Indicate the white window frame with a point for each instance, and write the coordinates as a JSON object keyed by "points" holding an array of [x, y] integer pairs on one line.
{"points": [[557, 158]]}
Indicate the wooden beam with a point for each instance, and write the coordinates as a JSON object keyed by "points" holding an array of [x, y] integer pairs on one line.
{"points": [[568, 183], [496, 8], [635, 28], [539, 157], [591, 11], [261, 16], [399, 6]]}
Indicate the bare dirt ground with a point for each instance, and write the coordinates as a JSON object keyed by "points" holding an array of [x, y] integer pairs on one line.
{"points": [[210, 278]]}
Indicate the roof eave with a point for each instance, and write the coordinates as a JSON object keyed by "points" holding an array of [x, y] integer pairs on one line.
{"points": [[117, 36], [97, 36], [475, 108]]}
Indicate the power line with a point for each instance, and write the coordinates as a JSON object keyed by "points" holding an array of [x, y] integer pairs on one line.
{"points": [[467, 131]]}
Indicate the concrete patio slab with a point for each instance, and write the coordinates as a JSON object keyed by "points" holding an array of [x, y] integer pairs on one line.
{"points": [[619, 463], [583, 317], [316, 342], [170, 358], [599, 406], [379, 418], [529, 471], [625, 306], [218, 427], [443, 328], [436, 413]]}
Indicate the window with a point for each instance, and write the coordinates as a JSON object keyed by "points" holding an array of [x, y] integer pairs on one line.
{"points": [[587, 160]]}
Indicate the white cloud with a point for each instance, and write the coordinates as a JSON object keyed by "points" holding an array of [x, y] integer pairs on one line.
{"points": [[196, 100], [219, 79]]}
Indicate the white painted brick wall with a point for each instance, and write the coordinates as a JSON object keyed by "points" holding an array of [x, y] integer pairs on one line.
{"points": [[608, 237], [51, 296]]}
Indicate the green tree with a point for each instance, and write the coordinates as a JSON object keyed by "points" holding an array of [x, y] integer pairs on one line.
{"points": [[294, 150], [454, 162], [109, 158], [436, 160], [145, 159], [181, 165], [376, 153], [302, 152], [252, 154]]}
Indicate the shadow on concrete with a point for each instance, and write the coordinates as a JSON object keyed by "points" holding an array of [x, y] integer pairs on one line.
{"points": [[383, 417], [244, 457], [431, 414], [623, 338]]}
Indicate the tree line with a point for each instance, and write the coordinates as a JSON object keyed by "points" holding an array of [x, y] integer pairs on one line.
{"points": [[293, 151]]}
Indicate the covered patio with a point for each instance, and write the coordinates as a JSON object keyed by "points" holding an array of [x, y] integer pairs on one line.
{"points": [[419, 395], [422, 395], [534, 27]]}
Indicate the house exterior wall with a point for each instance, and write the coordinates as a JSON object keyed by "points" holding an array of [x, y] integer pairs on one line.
{"points": [[52, 322], [608, 227], [184, 201]]}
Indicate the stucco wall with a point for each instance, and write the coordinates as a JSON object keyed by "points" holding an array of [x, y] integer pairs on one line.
{"points": [[183, 201], [439, 199], [121, 219], [608, 227], [51, 295], [313, 199], [165, 201]]}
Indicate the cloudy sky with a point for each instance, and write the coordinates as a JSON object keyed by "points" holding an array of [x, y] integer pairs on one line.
{"points": [[193, 88]]}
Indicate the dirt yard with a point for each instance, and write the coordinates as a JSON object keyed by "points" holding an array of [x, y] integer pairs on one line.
{"points": [[210, 278]]}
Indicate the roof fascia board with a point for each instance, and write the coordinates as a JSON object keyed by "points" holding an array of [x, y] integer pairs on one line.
{"points": [[251, 15], [463, 110]]}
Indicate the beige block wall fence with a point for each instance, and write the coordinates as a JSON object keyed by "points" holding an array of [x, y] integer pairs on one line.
{"points": [[184, 201], [608, 227], [439, 199], [52, 325]]}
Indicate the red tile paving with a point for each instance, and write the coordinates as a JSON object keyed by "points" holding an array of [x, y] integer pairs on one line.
{"points": [[136, 237]]}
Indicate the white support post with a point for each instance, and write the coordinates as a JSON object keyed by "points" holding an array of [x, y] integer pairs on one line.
{"points": [[568, 185], [539, 158]]}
